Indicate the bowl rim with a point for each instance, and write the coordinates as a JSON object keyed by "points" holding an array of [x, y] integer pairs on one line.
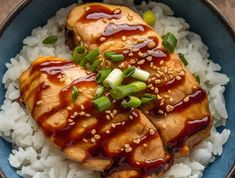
{"points": [[20, 6], [209, 3]]}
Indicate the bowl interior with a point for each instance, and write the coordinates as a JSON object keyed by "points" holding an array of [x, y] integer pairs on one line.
{"points": [[202, 19]]}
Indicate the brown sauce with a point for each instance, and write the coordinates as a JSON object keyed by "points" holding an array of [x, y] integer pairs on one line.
{"points": [[190, 128], [114, 31], [95, 12]]}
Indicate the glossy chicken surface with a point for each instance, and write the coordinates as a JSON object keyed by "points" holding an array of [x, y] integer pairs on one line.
{"points": [[118, 142]]}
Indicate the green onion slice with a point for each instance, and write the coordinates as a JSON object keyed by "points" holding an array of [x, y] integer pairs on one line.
{"points": [[50, 39], [147, 97], [94, 66], [128, 72], [120, 92], [99, 92], [149, 17], [131, 102], [140, 74], [115, 78], [92, 55], [140, 86], [102, 75], [169, 42], [197, 78], [185, 62], [74, 94], [78, 53], [102, 103], [109, 53]]}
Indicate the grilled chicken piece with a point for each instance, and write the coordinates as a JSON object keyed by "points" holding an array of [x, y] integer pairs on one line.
{"points": [[180, 113], [84, 135]]}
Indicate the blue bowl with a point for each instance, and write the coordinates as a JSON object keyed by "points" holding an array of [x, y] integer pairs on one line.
{"points": [[204, 20]]}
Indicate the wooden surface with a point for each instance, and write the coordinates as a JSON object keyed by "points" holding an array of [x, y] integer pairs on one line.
{"points": [[226, 6]]}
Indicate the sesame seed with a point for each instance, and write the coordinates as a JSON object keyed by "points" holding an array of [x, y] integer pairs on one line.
{"points": [[85, 140], [149, 58], [132, 61], [178, 77], [150, 85], [39, 102], [130, 54], [152, 132], [194, 87], [82, 107], [115, 111], [131, 117], [87, 115], [156, 90], [140, 54], [93, 132], [169, 108], [135, 49], [167, 96], [72, 116], [152, 88], [129, 16], [136, 141], [124, 38], [107, 131], [75, 113], [113, 125], [87, 8], [151, 64], [69, 108], [159, 97], [161, 62], [151, 44], [93, 140], [141, 62], [127, 145], [82, 113], [134, 114], [114, 101], [171, 99], [108, 117], [70, 120], [161, 103], [160, 111], [186, 99], [129, 149], [157, 81], [71, 123], [117, 11], [145, 145], [122, 149], [97, 137], [149, 52], [123, 123], [102, 38], [182, 73], [108, 111]]}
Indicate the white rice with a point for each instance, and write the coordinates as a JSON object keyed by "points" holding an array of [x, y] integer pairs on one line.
{"points": [[33, 156]]}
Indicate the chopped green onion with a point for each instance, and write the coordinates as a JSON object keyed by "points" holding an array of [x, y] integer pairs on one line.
{"points": [[149, 17], [185, 62], [128, 72], [74, 94], [115, 78], [102, 103], [102, 75], [50, 40], [132, 102], [92, 55], [78, 53], [197, 78], [169, 42], [99, 92], [93, 67], [120, 92], [147, 97], [140, 74], [140, 86], [109, 53], [116, 57]]}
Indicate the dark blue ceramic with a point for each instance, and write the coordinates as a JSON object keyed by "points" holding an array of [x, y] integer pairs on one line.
{"points": [[202, 19]]}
